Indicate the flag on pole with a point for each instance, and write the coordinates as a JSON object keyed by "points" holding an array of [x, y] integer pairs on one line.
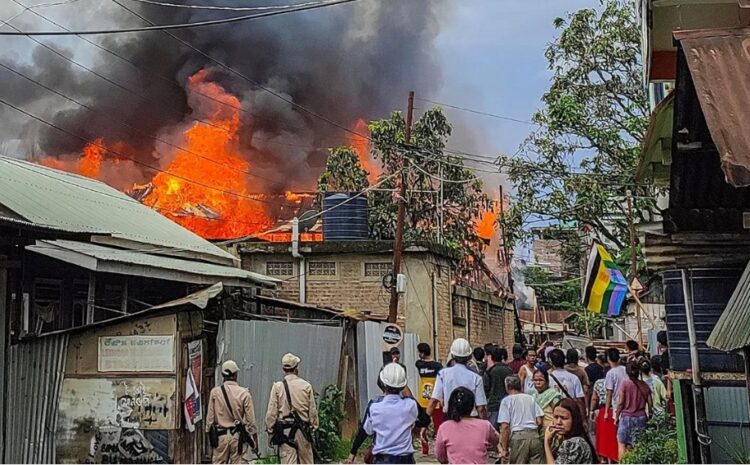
{"points": [[605, 287]]}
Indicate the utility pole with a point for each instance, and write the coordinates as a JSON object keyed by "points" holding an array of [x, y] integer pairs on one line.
{"points": [[508, 267], [398, 245], [634, 265]]}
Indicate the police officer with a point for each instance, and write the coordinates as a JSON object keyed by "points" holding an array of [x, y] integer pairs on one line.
{"points": [[228, 420], [302, 398], [392, 418]]}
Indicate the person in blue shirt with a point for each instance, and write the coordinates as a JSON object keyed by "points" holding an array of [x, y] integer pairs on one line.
{"points": [[459, 375], [392, 419]]}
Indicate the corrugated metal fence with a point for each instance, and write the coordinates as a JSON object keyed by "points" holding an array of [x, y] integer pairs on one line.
{"points": [[257, 347], [728, 422], [35, 376], [370, 360]]}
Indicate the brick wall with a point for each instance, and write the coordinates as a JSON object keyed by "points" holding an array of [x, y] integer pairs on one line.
{"points": [[351, 289], [483, 317]]}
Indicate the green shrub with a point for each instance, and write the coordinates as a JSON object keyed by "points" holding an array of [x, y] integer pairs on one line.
{"points": [[328, 442], [656, 444]]}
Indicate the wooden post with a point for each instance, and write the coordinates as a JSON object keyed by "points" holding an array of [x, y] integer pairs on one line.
{"points": [[398, 245], [634, 263]]}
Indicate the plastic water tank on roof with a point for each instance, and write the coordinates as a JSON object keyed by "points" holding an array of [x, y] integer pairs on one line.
{"points": [[344, 217]]}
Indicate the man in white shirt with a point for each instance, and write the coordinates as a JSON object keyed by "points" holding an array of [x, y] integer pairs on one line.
{"points": [[458, 375], [612, 381], [566, 382], [520, 419]]}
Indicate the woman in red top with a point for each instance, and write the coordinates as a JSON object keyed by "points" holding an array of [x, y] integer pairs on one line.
{"points": [[631, 413]]}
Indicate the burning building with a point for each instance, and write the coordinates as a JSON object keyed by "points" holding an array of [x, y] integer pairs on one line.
{"points": [[214, 134]]}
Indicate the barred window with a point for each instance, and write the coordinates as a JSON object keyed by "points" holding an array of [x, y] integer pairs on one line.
{"points": [[377, 270], [279, 269], [322, 269]]}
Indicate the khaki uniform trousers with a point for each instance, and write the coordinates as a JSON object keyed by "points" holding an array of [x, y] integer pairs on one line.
{"points": [[526, 447], [227, 451], [303, 453]]}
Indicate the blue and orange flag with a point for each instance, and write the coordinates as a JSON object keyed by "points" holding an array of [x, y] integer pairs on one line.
{"points": [[605, 287]]}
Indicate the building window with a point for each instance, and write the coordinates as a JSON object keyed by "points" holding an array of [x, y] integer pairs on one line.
{"points": [[377, 270], [279, 269], [322, 269]]}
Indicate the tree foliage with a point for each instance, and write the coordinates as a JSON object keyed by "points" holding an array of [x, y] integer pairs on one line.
{"points": [[553, 294], [577, 166], [343, 173], [426, 162]]}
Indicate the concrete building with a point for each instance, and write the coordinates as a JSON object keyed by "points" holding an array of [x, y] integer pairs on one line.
{"points": [[350, 275]]}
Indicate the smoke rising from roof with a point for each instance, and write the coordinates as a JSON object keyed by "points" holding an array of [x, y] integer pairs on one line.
{"points": [[344, 62]]}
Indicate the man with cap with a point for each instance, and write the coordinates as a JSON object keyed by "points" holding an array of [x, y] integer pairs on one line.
{"points": [[392, 418], [293, 398], [458, 375], [228, 418]]}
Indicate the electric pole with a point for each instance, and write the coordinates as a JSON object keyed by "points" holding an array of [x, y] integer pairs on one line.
{"points": [[634, 265], [398, 245]]}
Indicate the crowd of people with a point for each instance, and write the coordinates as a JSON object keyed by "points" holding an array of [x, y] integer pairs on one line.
{"points": [[542, 406]]}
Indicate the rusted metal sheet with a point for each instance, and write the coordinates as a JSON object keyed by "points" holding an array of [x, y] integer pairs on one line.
{"points": [[719, 62], [35, 377]]}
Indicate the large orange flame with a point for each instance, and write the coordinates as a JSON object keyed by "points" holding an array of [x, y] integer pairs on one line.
{"points": [[361, 145], [205, 187], [487, 224]]}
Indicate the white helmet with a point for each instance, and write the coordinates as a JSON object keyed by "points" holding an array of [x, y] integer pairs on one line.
{"points": [[460, 348], [393, 375]]}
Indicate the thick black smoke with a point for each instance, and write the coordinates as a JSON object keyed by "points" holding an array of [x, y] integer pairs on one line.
{"points": [[345, 62]]}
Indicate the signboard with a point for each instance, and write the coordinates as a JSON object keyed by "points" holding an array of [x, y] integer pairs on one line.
{"points": [[193, 411], [392, 335], [136, 353], [636, 286]]}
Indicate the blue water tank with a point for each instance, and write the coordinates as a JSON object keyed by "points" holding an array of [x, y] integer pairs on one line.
{"points": [[344, 217], [712, 288]]}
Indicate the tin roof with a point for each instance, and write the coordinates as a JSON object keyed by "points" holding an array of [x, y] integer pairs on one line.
{"points": [[103, 259], [71, 203], [656, 150], [732, 331], [719, 62]]}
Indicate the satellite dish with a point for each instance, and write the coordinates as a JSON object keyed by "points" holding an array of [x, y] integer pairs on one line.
{"points": [[307, 220]]}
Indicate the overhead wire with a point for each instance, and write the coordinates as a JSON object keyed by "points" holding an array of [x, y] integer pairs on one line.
{"points": [[478, 112], [177, 85], [32, 7], [225, 8], [166, 27]]}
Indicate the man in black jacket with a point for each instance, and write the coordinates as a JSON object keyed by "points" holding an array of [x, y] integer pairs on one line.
{"points": [[494, 382]]}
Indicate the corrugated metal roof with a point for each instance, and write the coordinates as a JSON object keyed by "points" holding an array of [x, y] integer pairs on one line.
{"points": [[732, 330], [719, 62], [670, 251], [120, 261], [73, 203], [656, 153]]}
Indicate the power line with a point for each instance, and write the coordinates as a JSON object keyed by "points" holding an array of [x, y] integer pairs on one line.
{"points": [[225, 8], [177, 85], [31, 8], [165, 27], [477, 112]]}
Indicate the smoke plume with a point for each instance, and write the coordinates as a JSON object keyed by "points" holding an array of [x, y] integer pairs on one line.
{"points": [[345, 62]]}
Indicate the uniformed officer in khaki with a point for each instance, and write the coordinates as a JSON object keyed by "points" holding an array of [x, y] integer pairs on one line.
{"points": [[303, 402], [218, 414]]}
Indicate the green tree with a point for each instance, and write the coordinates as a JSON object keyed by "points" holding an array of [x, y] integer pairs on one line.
{"points": [[580, 162], [343, 173], [551, 293], [426, 163]]}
